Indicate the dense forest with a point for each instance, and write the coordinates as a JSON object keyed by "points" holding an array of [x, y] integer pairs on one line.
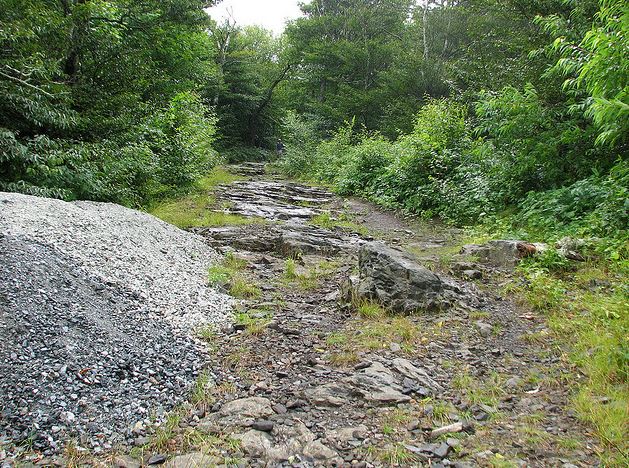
{"points": [[507, 117]]}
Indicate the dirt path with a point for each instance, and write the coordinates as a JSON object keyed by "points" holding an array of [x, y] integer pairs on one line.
{"points": [[304, 379]]}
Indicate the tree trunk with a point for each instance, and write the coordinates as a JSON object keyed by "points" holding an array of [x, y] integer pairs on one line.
{"points": [[253, 118], [425, 29]]}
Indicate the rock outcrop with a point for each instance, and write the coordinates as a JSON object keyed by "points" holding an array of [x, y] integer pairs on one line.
{"points": [[395, 280]]}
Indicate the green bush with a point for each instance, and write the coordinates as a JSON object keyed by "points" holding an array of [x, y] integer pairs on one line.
{"points": [[596, 206]]}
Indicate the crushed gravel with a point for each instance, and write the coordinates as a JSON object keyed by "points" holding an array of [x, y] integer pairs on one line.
{"points": [[98, 304]]}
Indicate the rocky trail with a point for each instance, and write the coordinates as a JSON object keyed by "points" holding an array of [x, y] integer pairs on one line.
{"points": [[303, 378], [313, 372]]}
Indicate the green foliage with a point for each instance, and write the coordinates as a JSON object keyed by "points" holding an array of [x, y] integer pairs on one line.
{"points": [[185, 141], [596, 206], [597, 63], [99, 100]]}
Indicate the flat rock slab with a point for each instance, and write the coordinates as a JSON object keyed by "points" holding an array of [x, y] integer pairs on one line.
{"points": [[285, 240], [193, 460], [284, 443], [376, 383], [274, 200]]}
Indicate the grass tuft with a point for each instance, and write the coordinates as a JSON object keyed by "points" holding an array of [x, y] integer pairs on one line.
{"points": [[343, 221]]}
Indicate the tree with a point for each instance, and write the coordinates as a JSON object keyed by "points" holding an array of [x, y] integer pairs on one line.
{"points": [[598, 63], [252, 66]]}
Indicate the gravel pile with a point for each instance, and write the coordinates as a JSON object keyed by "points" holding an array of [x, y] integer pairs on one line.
{"points": [[97, 306]]}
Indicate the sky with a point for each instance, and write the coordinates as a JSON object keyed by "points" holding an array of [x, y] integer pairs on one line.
{"points": [[271, 14]]}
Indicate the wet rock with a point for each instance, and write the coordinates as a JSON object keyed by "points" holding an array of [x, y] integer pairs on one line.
{"points": [[395, 280], [248, 169], [262, 239], [274, 200]]}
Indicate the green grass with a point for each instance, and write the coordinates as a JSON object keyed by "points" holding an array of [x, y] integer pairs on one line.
{"points": [[202, 391], [370, 310], [241, 288], [371, 334], [308, 278], [487, 392], [343, 221], [220, 275], [255, 321], [198, 208], [229, 274], [593, 326], [393, 455]]}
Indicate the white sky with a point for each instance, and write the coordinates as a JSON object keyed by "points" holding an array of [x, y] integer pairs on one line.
{"points": [[271, 14]]}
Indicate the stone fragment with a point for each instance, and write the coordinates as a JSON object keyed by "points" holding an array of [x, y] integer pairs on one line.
{"points": [[122, 461], [378, 384], [255, 443], [341, 436], [484, 329], [450, 429], [193, 460], [263, 425], [252, 407], [327, 395], [409, 370], [318, 451], [156, 460]]}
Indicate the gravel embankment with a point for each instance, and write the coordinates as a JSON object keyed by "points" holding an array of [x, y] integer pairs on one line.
{"points": [[97, 308]]}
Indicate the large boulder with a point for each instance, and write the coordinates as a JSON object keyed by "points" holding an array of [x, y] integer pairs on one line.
{"points": [[395, 280]]}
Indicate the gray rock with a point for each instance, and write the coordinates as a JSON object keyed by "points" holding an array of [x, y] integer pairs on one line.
{"points": [[407, 369], [472, 274], [318, 451], [502, 253], [252, 407], [331, 394], [342, 436], [263, 425], [483, 328], [378, 384], [255, 443], [193, 460], [395, 280], [156, 460], [122, 461]]}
